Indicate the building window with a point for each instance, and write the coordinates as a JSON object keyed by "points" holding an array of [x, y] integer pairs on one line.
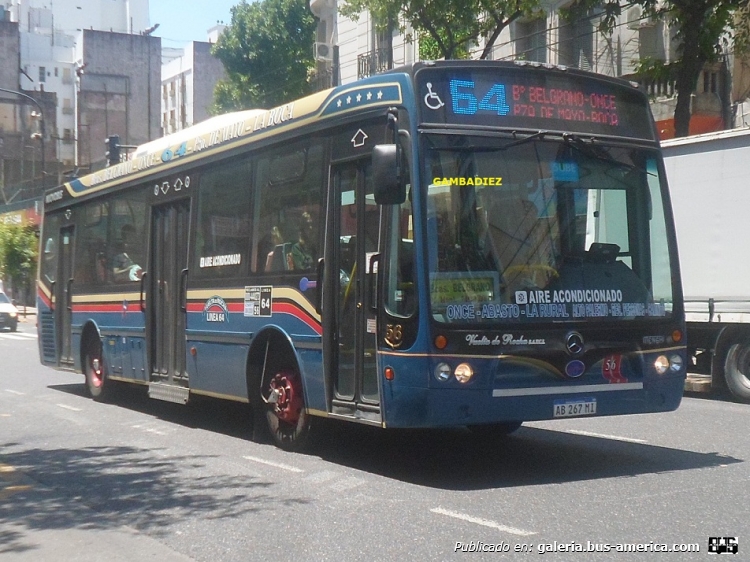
{"points": [[531, 40], [42, 74], [577, 41], [710, 82], [55, 72]]}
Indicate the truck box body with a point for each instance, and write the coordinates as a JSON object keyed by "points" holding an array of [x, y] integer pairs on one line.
{"points": [[709, 182]]}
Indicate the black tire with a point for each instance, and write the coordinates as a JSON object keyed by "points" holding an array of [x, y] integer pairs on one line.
{"points": [[495, 430], [288, 421], [737, 370], [98, 385], [14, 326]]}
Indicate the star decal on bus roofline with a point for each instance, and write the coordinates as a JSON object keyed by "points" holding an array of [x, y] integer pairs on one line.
{"points": [[358, 98]]}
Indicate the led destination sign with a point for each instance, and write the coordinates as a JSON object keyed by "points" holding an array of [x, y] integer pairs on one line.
{"points": [[530, 98]]}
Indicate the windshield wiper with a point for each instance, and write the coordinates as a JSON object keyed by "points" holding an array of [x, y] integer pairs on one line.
{"points": [[537, 135], [475, 149], [577, 143]]}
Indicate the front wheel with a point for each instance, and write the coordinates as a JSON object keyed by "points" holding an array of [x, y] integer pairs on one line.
{"points": [[96, 377], [287, 419], [737, 370]]}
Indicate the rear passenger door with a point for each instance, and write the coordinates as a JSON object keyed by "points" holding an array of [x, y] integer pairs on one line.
{"points": [[166, 279]]}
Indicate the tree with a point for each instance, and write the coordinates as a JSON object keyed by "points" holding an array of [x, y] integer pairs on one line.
{"points": [[701, 26], [448, 28], [267, 53], [19, 248]]}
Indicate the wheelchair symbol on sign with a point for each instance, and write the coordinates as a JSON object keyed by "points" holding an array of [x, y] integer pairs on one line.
{"points": [[431, 99]]}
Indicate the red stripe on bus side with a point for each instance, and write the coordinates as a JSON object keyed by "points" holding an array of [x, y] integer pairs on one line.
{"points": [[277, 308], [47, 302], [195, 307], [231, 306], [288, 308]]}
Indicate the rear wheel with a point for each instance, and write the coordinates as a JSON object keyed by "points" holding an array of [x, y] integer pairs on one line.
{"points": [[737, 370], [495, 429], [287, 419], [97, 384]]}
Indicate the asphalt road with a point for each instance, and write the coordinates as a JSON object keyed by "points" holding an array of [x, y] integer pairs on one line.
{"points": [[138, 479]]}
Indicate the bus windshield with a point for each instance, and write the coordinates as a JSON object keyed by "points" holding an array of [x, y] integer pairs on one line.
{"points": [[544, 228]]}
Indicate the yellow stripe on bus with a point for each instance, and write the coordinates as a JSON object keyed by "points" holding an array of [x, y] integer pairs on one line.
{"points": [[115, 298]]}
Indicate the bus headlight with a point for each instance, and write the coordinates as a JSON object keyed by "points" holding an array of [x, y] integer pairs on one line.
{"points": [[661, 364], [675, 363], [463, 373], [442, 372]]}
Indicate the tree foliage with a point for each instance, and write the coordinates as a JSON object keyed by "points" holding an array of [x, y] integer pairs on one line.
{"points": [[445, 28], [704, 30], [19, 248], [267, 53]]}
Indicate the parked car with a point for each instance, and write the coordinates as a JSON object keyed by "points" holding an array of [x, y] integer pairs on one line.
{"points": [[8, 313]]}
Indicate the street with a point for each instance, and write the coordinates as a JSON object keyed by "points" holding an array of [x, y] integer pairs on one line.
{"points": [[139, 479]]}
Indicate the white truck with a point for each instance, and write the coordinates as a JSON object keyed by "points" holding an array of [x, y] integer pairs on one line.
{"points": [[709, 182]]}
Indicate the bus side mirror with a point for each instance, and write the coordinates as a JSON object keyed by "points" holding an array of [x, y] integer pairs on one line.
{"points": [[388, 187]]}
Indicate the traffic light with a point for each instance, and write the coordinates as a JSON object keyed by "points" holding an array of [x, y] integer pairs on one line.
{"points": [[113, 150]]}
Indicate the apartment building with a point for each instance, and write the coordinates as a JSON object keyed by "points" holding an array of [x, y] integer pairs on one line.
{"points": [[96, 66], [347, 50], [188, 79]]}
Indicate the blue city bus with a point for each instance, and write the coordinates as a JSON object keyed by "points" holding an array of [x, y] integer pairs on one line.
{"points": [[448, 244]]}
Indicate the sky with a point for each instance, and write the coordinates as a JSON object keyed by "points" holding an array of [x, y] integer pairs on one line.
{"points": [[181, 22]]}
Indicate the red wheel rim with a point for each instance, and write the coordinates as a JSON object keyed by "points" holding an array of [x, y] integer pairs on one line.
{"points": [[289, 403], [97, 377]]}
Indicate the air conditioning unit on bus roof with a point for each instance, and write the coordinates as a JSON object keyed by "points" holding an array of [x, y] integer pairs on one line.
{"points": [[322, 51]]}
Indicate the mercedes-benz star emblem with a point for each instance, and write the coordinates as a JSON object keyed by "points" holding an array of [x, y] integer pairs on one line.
{"points": [[574, 343]]}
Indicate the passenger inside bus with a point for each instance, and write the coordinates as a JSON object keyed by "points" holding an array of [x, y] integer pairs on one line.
{"points": [[303, 250], [123, 266], [273, 240]]}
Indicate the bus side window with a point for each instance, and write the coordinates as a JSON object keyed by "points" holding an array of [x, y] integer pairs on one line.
{"points": [[288, 195], [90, 243], [49, 263], [223, 219]]}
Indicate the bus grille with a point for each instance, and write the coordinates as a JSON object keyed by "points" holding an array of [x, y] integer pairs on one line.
{"points": [[48, 336]]}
